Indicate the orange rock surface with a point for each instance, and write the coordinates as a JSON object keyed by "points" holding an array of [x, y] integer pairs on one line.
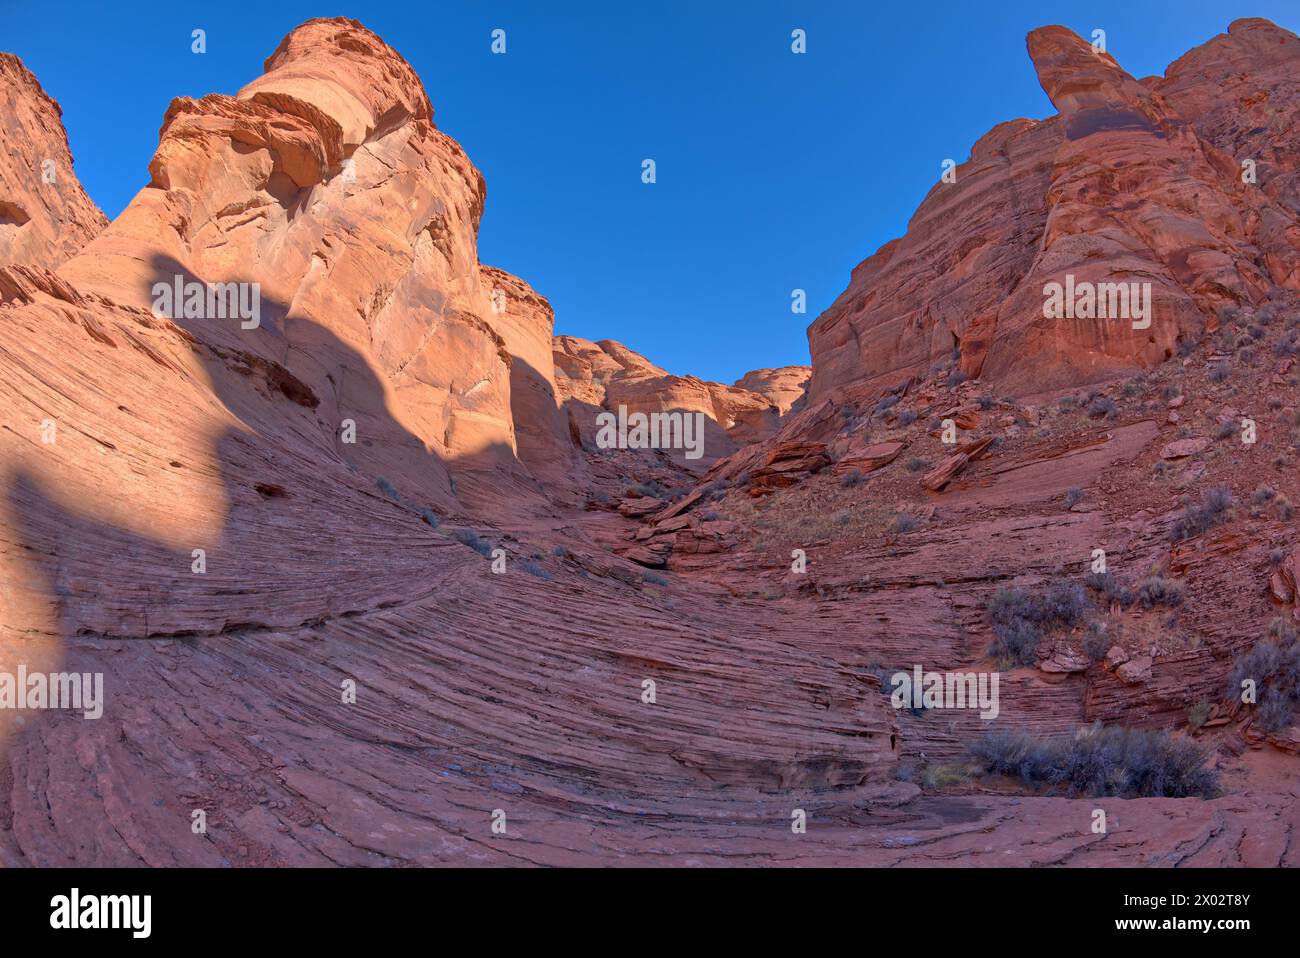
{"points": [[1132, 181], [357, 575]]}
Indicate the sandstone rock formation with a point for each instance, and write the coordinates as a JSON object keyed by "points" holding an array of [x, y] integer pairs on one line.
{"points": [[785, 387], [326, 182], [182, 508], [596, 377], [45, 215], [524, 320], [189, 480], [1131, 182]]}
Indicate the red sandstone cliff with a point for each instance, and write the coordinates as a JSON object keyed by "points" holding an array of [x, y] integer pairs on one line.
{"points": [[45, 215], [132, 439], [596, 377], [1131, 181]]}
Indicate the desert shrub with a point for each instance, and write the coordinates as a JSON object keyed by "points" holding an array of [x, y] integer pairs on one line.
{"points": [[1220, 372], [650, 488], [916, 464], [429, 516], [907, 417], [852, 478], [1281, 630], [560, 552], [533, 569], [1102, 761], [1156, 590], [1102, 407], [1198, 713], [1067, 403], [1020, 619], [955, 378], [1110, 587], [943, 775], [1226, 430], [984, 402], [388, 489], [1282, 508], [1262, 495], [713, 491], [1274, 666], [1097, 642], [468, 537], [907, 771], [904, 522], [654, 578], [1199, 517], [1073, 496], [887, 403]]}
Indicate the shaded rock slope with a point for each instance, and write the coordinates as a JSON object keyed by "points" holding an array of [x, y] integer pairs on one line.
{"points": [[360, 582]]}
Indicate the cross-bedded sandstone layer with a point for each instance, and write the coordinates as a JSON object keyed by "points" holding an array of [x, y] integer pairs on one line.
{"points": [[615, 714]]}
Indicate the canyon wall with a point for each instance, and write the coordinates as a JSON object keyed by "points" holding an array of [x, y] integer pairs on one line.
{"points": [[45, 215], [1132, 181]]}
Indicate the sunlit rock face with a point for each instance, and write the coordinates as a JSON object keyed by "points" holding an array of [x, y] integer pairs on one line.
{"points": [[604, 376], [45, 215], [356, 575], [1131, 182]]}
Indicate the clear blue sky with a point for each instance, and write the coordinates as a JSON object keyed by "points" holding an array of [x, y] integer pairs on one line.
{"points": [[775, 171]]}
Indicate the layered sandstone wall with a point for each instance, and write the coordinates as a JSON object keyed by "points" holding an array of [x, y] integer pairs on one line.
{"points": [[1130, 182], [45, 215], [597, 377]]}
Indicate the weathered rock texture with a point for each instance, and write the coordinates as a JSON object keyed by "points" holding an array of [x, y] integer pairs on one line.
{"points": [[785, 387], [45, 215], [181, 510], [598, 377], [1131, 182]]}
